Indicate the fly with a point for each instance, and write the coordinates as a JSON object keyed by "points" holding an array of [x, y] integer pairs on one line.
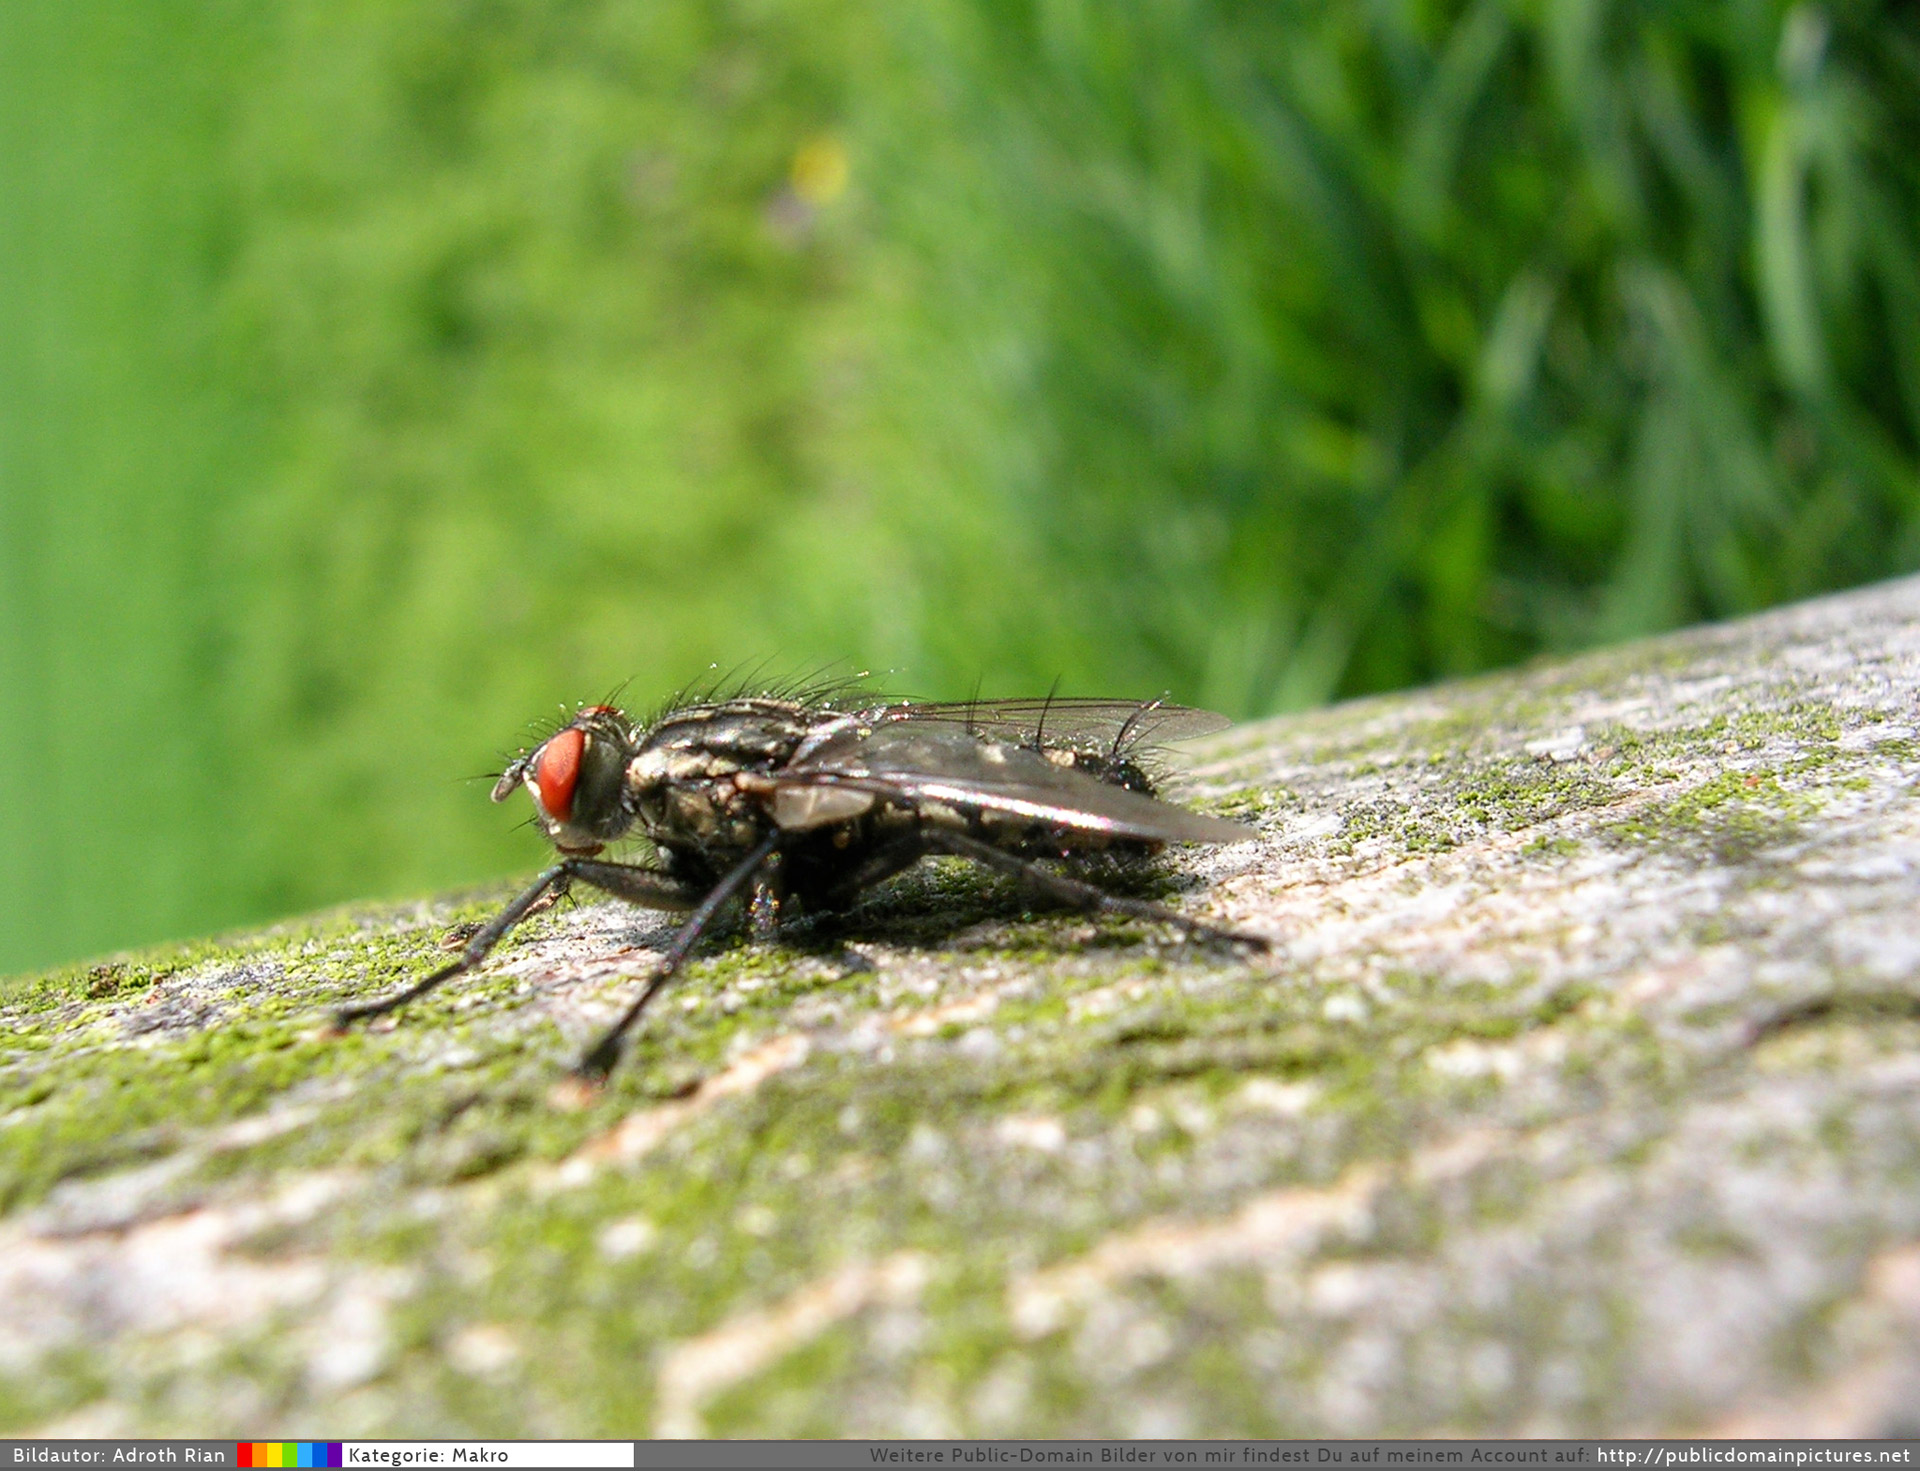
{"points": [[798, 802]]}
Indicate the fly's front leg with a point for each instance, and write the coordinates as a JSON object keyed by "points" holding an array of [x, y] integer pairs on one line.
{"points": [[458, 935], [1077, 894], [634, 884]]}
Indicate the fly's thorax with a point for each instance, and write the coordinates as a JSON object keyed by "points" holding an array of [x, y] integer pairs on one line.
{"points": [[755, 734], [690, 797], [700, 774]]}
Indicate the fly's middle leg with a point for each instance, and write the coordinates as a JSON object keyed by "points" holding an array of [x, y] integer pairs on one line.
{"points": [[601, 1057], [769, 898]]}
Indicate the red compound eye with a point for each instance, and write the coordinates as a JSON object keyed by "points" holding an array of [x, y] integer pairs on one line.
{"points": [[557, 770]]}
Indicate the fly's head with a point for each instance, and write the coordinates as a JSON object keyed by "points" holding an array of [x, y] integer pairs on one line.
{"points": [[577, 779]]}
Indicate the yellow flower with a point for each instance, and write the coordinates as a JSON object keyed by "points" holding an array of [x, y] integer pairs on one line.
{"points": [[819, 171]]}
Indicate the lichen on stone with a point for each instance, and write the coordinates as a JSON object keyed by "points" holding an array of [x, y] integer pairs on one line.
{"points": [[1579, 1095]]}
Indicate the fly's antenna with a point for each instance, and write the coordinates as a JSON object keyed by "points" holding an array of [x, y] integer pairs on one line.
{"points": [[495, 777], [511, 779]]}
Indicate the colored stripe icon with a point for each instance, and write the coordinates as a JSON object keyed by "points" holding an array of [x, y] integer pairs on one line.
{"points": [[287, 1452]]}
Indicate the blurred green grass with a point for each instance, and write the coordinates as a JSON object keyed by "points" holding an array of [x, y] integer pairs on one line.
{"points": [[380, 375]]}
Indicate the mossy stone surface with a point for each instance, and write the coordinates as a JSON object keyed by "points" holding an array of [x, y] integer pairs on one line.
{"points": [[1580, 1095]]}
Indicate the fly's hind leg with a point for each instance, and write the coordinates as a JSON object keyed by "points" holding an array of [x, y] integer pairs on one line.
{"points": [[1078, 894]]}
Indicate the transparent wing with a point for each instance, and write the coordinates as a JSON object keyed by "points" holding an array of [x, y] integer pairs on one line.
{"points": [[1087, 722], [940, 760]]}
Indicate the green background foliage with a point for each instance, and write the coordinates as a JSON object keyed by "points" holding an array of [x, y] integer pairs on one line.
{"points": [[378, 375]]}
